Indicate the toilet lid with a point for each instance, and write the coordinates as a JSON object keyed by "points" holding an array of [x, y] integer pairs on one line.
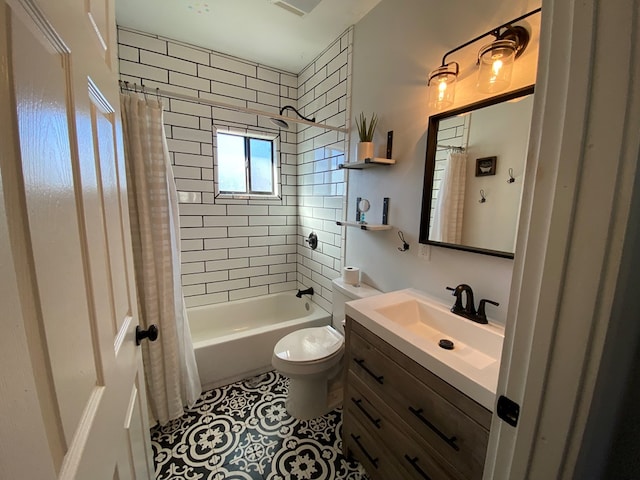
{"points": [[309, 344]]}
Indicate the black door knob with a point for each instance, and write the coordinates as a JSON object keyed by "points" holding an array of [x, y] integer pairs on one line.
{"points": [[151, 333]]}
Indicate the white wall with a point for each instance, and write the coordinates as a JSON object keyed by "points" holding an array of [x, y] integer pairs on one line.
{"points": [[395, 47]]}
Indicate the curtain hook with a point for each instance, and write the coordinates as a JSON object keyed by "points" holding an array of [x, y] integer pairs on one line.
{"points": [[482, 197], [511, 179]]}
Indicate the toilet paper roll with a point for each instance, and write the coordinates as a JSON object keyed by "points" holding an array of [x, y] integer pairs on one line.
{"points": [[351, 275]]}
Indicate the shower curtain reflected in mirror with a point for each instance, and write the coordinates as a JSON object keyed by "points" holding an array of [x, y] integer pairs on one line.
{"points": [[446, 225], [171, 374]]}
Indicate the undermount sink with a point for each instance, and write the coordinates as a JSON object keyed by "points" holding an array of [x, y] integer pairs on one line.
{"points": [[416, 324]]}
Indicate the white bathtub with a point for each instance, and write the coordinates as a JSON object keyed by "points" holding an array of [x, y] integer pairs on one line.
{"points": [[235, 340]]}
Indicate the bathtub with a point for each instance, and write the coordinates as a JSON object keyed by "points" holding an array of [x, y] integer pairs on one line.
{"points": [[235, 340]]}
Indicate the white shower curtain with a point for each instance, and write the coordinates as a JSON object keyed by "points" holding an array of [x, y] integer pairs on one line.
{"points": [[447, 217], [170, 368]]}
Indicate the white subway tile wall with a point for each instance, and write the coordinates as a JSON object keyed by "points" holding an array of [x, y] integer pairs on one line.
{"points": [[240, 248], [321, 189]]}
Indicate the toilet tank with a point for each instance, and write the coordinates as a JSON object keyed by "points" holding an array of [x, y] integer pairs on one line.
{"points": [[342, 293]]}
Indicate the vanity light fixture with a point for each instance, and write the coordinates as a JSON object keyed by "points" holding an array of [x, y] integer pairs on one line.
{"points": [[442, 85], [495, 61]]}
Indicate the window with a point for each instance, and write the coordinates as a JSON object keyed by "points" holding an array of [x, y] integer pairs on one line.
{"points": [[246, 165]]}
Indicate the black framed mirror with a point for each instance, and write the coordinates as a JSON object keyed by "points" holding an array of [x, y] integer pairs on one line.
{"points": [[473, 176]]}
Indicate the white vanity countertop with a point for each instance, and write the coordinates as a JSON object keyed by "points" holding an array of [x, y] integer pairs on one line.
{"points": [[413, 322]]}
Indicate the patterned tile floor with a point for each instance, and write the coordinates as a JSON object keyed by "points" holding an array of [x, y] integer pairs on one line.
{"points": [[242, 431]]}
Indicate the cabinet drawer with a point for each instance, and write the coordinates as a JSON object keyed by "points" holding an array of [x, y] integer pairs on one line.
{"points": [[416, 456], [370, 451], [473, 409], [457, 438]]}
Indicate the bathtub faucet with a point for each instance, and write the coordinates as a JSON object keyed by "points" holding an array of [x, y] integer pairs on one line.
{"points": [[308, 291]]}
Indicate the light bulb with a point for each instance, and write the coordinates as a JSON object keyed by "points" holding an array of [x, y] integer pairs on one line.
{"points": [[442, 90], [496, 64]]}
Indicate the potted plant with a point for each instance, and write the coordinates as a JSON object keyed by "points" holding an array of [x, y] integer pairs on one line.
{"points": [[366, 130]]}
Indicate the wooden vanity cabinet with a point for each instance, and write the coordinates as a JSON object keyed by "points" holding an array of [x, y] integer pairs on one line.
{"points": [[401, 421]]}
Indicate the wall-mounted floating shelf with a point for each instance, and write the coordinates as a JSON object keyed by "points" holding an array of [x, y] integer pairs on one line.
{"points": [[365, 226], [370, 226], [367, 163]]}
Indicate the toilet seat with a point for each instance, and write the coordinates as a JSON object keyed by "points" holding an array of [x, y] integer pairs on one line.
{"points": [[309, 345]]}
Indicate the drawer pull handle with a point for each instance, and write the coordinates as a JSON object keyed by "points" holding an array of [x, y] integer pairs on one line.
{"points": [[451, 441], [358, 403], [377, 378], [374, 461], [414, 463]]}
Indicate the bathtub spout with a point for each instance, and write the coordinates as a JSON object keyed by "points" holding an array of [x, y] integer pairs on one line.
{"points": [[308, 291]]}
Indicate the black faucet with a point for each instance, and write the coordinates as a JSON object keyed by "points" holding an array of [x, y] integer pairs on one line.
{"points": [[482, 316], [469, 310], [308, 291]]}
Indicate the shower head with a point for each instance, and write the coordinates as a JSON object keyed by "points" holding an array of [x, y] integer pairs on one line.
{"points": [[282, 123]]}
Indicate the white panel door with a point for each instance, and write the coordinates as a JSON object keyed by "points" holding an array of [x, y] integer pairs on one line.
{"points": [[66, 251]]}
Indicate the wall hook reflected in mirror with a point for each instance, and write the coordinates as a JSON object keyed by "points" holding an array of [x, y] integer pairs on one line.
{"points": [[511, 178], [482, 197], [405, 245]]}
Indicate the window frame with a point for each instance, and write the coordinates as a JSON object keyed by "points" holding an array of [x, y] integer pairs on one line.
{"points": [[247, 135]]}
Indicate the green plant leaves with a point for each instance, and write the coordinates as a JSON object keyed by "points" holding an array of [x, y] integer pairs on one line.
{"points": [[366, 132]]}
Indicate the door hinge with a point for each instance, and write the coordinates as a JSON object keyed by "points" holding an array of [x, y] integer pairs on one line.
{"points": [[508, 410]]}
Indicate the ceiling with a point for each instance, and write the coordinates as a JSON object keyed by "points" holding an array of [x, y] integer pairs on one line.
{"points": [[258, 30]]}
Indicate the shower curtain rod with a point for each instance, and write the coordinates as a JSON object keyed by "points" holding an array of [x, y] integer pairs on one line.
{"points": [[451, 147], [189, 98]]}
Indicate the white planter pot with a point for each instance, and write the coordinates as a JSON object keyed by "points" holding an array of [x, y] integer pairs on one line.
{"points": [[364, 150]]}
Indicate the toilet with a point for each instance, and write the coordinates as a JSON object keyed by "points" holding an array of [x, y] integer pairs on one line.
{"points": [[312, 357]]}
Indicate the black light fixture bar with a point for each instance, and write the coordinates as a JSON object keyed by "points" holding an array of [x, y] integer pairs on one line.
{"points": [[493, 31]]}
